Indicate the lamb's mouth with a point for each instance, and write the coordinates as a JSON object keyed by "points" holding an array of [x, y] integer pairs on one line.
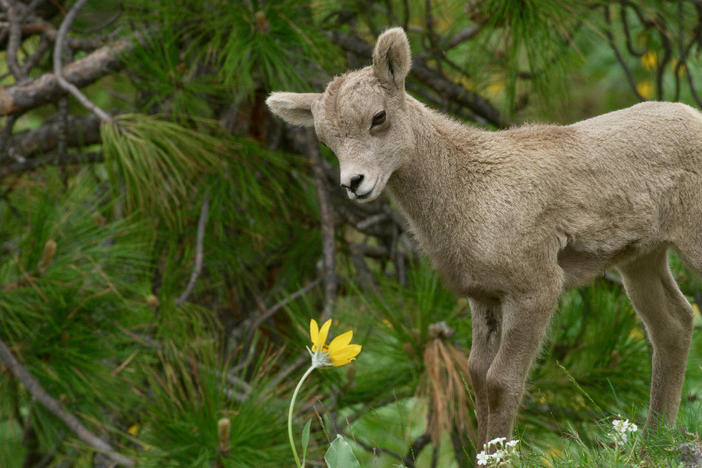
{"points": [[367, 195]]}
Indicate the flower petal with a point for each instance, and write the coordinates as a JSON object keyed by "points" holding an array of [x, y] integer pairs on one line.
{"points": [[322, 338], [344, 355], [340, 341], [314, 334]]}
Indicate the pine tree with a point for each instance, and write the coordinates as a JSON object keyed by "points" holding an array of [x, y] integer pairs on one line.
{"points": [[165, 241]]}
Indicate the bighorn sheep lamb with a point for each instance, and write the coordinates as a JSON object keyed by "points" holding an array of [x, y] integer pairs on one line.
{"points": [[511, 218]]}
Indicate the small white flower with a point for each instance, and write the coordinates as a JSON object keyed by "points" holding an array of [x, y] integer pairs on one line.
{"points": [[499, 455], [619, 425], [512, 443], [621, 428], [496, 441], [620, 438], [483, 458]]}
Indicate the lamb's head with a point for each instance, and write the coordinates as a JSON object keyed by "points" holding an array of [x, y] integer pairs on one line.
{"points": [[361, 116]]}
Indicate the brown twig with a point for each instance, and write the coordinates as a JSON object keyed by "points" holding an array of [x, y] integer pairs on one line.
{"points": [[465, 34], [197, 268], [7, 137], [51, 158], [435, 51], [58, 51], [415, 449], [627, 33], [327, 220], [99, 27], [53, 405], [405, 14], [48, 31], [667, 52], [81, 130], [14, 41], [22, 97], [258, 321], [618, 55], [247, 343], [37, 55]]}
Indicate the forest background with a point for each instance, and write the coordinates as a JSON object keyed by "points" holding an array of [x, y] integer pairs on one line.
{"points": [[165, 241]]}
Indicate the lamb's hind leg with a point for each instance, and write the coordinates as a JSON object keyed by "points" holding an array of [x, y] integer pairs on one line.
{"points": [[667, 317], [486, 318]]}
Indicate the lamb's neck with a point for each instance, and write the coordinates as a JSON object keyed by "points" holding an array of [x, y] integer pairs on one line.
{"points": [[445, 151]]}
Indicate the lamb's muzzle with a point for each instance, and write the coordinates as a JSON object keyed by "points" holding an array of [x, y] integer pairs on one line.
{"points": [[353, 183]]}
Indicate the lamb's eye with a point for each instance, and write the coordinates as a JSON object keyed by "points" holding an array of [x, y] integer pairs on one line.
{"points": [[378, 119]]}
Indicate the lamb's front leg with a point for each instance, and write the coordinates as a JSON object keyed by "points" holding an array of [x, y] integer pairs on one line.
{"points": [[486, 318], [525, 317]]}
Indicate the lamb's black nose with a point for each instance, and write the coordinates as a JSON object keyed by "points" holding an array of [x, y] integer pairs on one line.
{"points": [[354, 183]]}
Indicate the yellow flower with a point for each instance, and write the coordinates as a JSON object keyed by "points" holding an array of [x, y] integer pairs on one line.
{"points": [[319, 337], [645, 89], [649, 60], [338, 353]]}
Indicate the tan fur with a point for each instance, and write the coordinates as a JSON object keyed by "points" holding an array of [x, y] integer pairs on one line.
{"points": [[512, 218]]}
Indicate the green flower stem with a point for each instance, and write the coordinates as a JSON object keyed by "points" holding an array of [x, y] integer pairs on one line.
{"points": [[290, 413]]}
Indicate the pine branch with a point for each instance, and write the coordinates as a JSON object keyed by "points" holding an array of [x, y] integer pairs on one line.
{"points": [[261, 319], [326, 217], [618, 55], [202, 223], [81, 130], [24, 165], [53, 405], [22, 97], [14, 41], [415, 449], [48, 31], [58, 52]]}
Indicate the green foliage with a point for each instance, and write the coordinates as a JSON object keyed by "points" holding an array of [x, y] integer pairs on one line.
{"points": [[243, 44], [72, 281], [95, 258], [531, 37], [660, 448], [273, 43], [158, 161], [163, 76], [191, 393], [340, 454], [392, 361], [305, 440]]}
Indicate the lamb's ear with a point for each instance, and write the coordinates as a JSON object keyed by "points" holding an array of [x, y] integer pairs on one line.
{"points": [[392, 58], [294, 108]]}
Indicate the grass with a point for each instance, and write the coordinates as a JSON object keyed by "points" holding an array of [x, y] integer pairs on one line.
{"points": [[594, 368]]}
